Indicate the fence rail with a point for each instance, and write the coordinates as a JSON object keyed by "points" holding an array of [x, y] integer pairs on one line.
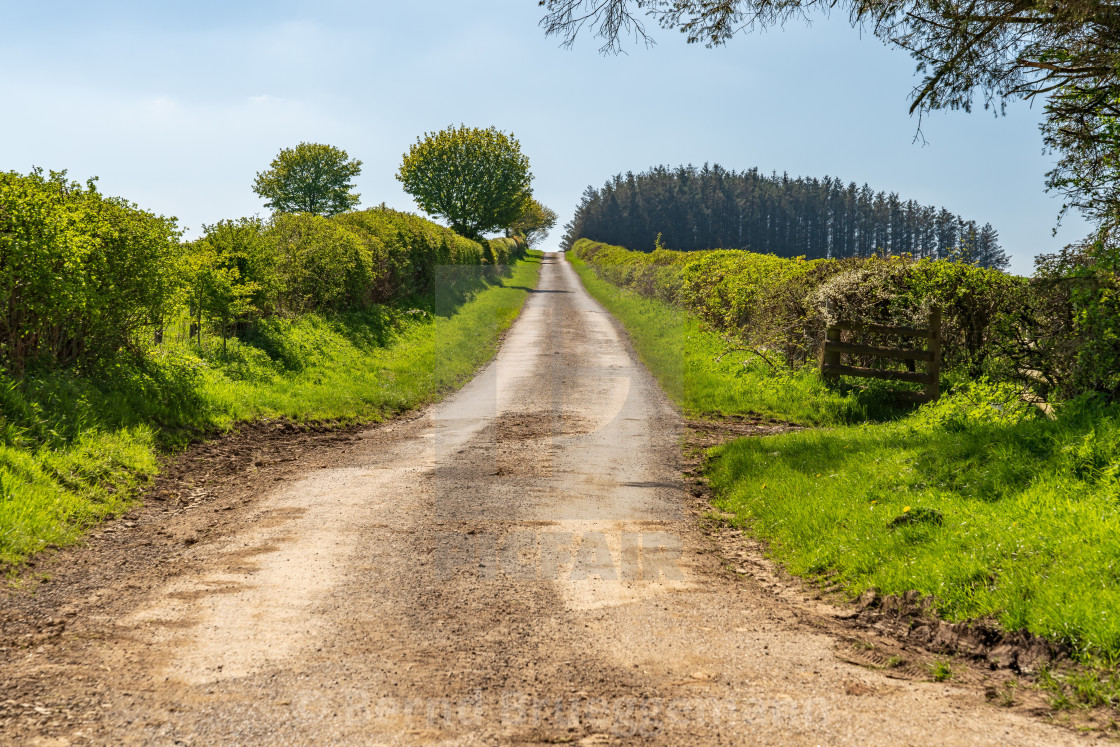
{"points": [[834, 347]]}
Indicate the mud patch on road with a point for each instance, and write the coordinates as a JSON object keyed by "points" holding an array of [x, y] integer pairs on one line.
{"points": [[532, 426], [61, 602]]}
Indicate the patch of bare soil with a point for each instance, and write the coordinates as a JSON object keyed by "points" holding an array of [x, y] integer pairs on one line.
{"points": [[910, 617], [199, 495], [706, 433], [543, 424]]}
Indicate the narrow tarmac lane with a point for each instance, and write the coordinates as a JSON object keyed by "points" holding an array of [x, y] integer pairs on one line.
{"points": [[518, 565]]}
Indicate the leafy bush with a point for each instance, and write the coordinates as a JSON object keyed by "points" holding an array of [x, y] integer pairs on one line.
{"points": [[971, 299], [728, 285], [83, 275], [233, 274], [407, 249], [80, 274], [977, 403], [782, 304], [1064, 338], [895, 290], [323, 265], [246, 271], [502, 251]]}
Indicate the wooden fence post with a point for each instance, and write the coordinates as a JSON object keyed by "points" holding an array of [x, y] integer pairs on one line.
{"points": [[933, 367], [828, 357]]}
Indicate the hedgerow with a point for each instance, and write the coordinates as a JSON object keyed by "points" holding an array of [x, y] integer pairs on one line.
{"points": [[1056, 333], [1066, 334], [80, 273], [297, 263], [83, 275], [109, 347]]}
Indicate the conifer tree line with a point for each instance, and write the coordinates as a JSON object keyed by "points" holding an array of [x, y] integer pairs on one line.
{"points": [[713, 208]]}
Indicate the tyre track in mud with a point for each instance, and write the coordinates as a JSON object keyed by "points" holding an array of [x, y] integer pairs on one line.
{"points": [[521, 563]]}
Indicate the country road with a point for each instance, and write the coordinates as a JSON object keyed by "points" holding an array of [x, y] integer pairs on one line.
{"points": [[521, 563]]}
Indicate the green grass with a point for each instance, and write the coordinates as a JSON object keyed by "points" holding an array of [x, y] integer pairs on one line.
{"points": [[1082, 688], [1015, 520], [76, 446], [940, 671], [976, 500], [682, 353]]}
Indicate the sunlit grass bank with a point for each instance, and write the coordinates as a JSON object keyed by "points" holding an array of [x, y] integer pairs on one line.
{"points": [[1016, 519], [76, 447], [977, 500]]}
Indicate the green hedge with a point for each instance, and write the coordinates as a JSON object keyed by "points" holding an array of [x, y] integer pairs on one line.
{"points": [[502, 251], [768, 301], [297, 263], [80, 273], [83, 275], [1056, 333]]}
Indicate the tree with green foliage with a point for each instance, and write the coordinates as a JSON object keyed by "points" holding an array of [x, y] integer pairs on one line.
{"points": [[310, 178], [1073, 319], [218, 291], [1066, 53], [534, 223], [713, 207], [232, 275], [477, 180]]}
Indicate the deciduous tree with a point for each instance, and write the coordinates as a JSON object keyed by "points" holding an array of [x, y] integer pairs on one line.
{"points": [[1066, 52], [534, 223], [475, 179], [310, 178]]}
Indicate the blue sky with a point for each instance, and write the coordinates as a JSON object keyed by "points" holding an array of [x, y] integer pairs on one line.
{"points": [[176, 106]]}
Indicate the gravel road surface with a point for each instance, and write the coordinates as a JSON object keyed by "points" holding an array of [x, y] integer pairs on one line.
{"points": [[522, 563]]}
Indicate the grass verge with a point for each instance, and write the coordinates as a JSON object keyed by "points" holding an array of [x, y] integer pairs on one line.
{"points": [[976, 500], [1012, 520], [76, 447], [706, 375]]}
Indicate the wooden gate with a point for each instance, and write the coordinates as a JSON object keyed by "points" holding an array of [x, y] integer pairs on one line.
{"points": [[834, 349]]}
